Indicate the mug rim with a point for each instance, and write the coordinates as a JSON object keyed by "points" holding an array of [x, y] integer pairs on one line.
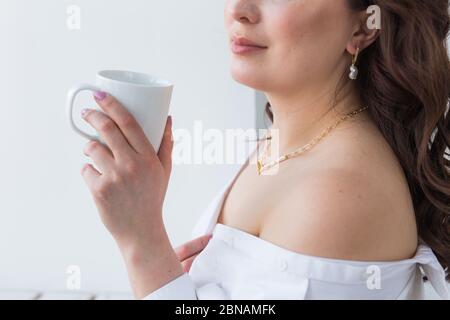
{"points": [[160, 81]]}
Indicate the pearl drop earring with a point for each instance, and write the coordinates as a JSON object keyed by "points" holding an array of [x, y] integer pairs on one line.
{"points": [[353, 69]]}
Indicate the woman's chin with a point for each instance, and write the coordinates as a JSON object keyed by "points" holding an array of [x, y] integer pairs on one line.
{"points": [[249, 78]]}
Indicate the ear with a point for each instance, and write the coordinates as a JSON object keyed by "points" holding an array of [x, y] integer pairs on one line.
{"points": [[362, 35]]}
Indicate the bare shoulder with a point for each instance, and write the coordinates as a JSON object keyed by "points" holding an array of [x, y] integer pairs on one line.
{"points": [[357, 208]]}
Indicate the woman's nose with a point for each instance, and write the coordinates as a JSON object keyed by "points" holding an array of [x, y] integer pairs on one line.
{"points": [[244, 11]]}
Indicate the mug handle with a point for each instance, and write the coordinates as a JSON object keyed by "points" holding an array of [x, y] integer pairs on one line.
{"points": [[71, 95]]}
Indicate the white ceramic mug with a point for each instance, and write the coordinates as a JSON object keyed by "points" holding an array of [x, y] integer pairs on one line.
{"points": [[145, 96]]}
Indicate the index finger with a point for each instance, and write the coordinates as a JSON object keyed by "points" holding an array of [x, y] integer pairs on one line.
{"points": [[126, 122], [192, 247]]}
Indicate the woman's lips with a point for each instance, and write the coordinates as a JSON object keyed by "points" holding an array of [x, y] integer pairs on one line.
{"points": [[241, 49]]}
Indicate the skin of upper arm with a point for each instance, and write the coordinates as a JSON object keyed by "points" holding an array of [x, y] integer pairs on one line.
{"points": [[343, 214]]}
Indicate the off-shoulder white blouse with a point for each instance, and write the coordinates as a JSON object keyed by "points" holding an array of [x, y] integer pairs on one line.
{"points": [[239, 265]]}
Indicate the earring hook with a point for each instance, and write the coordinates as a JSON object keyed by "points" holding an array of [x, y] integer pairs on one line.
{"points": [[355, 57]]}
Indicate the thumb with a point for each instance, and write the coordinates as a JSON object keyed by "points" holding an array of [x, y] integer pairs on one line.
{"points": [[165, 150]]}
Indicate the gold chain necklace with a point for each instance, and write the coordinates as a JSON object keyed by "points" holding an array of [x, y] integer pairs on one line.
{"points": [[262, 167]]}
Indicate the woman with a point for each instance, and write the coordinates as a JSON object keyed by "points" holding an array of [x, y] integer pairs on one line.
{"points": [[359, 214]]}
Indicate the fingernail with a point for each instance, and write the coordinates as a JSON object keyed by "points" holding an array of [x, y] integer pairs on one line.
{"points": [[84, 112], [100, 95], [171, 132]]}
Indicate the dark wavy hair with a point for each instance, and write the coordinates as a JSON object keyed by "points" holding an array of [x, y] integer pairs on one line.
{"points": [[404, 79]]}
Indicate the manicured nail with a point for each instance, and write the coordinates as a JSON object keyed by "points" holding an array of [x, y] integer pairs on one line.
{"points": [[84, 112], [169, 121], [100, 95]]}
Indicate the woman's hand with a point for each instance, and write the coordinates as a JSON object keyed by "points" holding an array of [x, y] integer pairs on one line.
{"points": [[129, 191], [189, 251], [130, 186]]}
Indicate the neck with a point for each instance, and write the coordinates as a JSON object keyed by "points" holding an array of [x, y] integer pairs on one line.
{"points": [[302, 116]]}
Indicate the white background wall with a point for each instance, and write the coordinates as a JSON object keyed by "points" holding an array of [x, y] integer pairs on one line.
{"points": [[47, 217]]}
